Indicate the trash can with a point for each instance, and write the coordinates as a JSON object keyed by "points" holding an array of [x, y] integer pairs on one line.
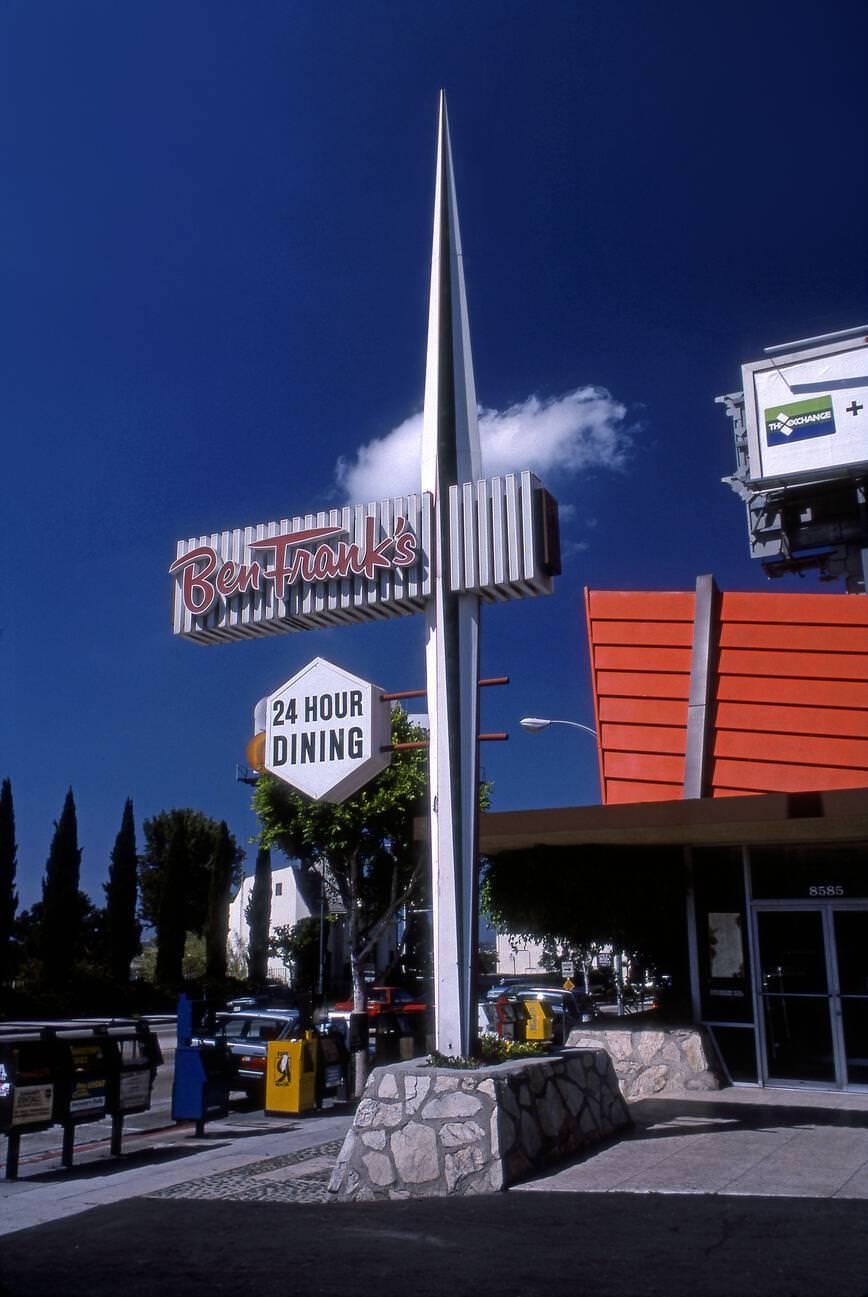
{"points": [[290, 1077]]}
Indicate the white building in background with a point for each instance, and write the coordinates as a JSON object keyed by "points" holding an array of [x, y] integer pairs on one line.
{"points": [[518, 955], [295, 895], [288, 906]]}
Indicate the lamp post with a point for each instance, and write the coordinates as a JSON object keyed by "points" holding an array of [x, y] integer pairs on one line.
{"points": [[535, 723]]}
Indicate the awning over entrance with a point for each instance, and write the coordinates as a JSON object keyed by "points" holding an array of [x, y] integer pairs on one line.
{"points": [[839, 815]]}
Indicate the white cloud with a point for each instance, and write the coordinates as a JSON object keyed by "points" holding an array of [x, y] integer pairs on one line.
{"points": [[558, 437]]}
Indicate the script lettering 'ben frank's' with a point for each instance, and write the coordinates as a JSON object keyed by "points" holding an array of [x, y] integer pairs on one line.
{"points": [[202, 582]]}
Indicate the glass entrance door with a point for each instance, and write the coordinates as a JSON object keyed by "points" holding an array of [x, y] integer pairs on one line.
{"points": [[851, 954], [813, 991]]}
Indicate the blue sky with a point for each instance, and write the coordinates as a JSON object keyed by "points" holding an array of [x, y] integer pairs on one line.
{"points": [[216, 223]]}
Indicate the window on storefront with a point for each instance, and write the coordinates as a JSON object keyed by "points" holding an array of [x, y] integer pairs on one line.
{"points": [[724, 957]]}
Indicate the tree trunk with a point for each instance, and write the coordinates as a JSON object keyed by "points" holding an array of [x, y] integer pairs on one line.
{"points": [[360, 1058]]}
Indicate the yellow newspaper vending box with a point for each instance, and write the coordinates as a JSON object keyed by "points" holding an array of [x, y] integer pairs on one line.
{"points": [[540, 1020], [290, 1076]]}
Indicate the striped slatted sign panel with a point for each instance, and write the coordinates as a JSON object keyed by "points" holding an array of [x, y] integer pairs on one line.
{"points": [[307, 604], [503, 544], [640, 647], [791, 694], [496, 529]]}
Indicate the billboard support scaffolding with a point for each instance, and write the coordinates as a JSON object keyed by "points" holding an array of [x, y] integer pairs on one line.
{"points": [[801, 442]]}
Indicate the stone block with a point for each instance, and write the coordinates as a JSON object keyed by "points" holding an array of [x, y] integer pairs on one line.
{"points": [[415, 1090], [388, 1087], [379, 1168], [458, 1104], [694, 1054], [648, 1044], [455, 1133], [414, 1149], [466, 1134], [650, 1081], [388, 1115], [459, 1165]]}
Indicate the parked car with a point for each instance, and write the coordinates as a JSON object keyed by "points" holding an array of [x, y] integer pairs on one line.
{"points": [[390, 1009], [272, 997], [387, 999], [246, 1036], [570, 1009]]}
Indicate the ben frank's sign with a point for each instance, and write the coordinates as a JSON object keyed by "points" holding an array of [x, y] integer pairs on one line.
{"points": [[365, 561]]}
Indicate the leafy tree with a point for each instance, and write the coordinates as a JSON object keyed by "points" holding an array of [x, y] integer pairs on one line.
{"points": [[258, 917], [589, 896], [8, 896], [122, 930], [297, 945], [182, 850], [365, 845], [170, 925], [61, 916], [222, 869]]}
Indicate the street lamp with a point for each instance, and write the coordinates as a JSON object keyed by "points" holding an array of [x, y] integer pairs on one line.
{"points": [[534, 723]]}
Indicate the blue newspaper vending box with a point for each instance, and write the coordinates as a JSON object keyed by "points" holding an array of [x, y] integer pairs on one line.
{"points": [[200, 1090]]}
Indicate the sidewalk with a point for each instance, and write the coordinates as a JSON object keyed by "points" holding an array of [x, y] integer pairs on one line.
{"points": [[159, 1165], [767, 1143]]}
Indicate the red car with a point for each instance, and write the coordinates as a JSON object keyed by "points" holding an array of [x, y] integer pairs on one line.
{"points": [[386, 999]]}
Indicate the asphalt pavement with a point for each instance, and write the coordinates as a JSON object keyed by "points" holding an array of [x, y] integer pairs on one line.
{"points": [[596, 1245], [745, 1194]]}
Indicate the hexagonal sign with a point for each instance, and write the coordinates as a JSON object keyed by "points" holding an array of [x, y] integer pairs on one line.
{"points": [[325, 730]]}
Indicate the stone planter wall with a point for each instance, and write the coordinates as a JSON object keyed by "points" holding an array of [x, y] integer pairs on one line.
{"points": [[653, 1061], [423, 1131]]}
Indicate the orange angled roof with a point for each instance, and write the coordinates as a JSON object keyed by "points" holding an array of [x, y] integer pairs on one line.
{"points": [[789, 693]]}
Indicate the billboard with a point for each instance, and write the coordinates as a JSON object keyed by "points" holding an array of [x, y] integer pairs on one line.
{"points": [[806, 412]]}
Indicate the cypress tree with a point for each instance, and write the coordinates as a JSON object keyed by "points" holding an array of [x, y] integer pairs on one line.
{"points": [[258, 915], [220, 883], [122, 929], [61, 907], [8, 865], [171, 925]]}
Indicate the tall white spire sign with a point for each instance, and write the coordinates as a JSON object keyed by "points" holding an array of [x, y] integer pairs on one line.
{"points": [[461, 541], [450, 453]]}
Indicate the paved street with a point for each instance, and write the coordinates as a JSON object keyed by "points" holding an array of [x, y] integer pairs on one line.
{"points": [[746, 1194]]}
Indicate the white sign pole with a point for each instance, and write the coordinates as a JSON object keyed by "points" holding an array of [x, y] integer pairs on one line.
{"points": [[450, 454], [461, 539]]}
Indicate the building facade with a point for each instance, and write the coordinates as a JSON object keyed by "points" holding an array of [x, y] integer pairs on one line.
{"points": [[733, 747]]}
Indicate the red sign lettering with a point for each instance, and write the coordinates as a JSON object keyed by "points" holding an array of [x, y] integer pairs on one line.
{"points": [[200, 587]]}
